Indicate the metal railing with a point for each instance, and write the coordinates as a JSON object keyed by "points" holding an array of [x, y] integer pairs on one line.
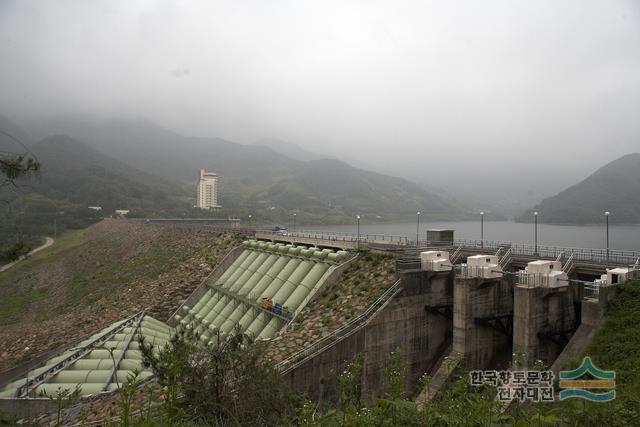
{"points": [[456, 254], [339, 334], [536, 280], [583, 255], [406, 264], [579, 255], [116, 365], [568, 264], [336, 236], [592, 289], [464, 270], [77, 354], [505, 259]]}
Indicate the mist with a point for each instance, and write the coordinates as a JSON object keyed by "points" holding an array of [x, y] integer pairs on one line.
{"points": [[508, 100]]}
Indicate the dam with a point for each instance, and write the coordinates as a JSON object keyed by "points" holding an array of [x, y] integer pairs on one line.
{"points": [[259, 288], [481, 301]]}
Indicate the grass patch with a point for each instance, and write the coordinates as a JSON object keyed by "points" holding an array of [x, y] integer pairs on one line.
{"points": [[12, 305], [99, 279], [18, 284], [615, 347]]}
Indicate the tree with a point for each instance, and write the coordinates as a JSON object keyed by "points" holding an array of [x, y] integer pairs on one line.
{"points": [[16, 165], [222, 384]]}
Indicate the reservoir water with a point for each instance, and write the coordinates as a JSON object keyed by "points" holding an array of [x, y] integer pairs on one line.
{"points": [[625, 237]]}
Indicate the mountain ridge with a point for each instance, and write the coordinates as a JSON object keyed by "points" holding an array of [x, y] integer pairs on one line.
{"points": [[257, 177], [613, 187]]}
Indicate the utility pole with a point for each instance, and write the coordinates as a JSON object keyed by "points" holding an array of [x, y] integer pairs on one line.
{"points": [[418, 231], [535, 216], [482, 229], [358, 241], [606, 215]]}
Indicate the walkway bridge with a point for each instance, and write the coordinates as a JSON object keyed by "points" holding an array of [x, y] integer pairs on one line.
{"points": [[585, 261], [332, 239]]}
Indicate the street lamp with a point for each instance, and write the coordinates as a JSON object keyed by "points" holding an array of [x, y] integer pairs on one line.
{"points": [[249, 218], [482, 229], [418, 231], [358, 242], [535, 217], [294, 221], [606, 215]]}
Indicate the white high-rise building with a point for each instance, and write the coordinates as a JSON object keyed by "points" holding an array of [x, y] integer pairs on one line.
{"points": [[207, 193]]}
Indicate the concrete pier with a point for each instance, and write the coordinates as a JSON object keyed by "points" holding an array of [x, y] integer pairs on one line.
{"points": [[544, 320], [482, 321], [544, 315]]}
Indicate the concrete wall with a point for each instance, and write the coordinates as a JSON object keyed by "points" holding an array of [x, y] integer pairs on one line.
{"points": [[402, 323], [544, 319], [473, 298], [593, 317], [316, 378]]}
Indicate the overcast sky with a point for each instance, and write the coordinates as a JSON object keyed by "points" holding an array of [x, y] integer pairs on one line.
{"points": [[547, 88]]}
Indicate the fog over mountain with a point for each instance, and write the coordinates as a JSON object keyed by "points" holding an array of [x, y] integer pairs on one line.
{"points": [[613, 187], [500, 103]]}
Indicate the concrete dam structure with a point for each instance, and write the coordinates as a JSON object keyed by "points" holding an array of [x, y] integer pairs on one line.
{"points": [[258, 289], [484, 312], [455, 301]]}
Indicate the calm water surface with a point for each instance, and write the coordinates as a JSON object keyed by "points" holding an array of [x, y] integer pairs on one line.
{"points": [[625, 237]]}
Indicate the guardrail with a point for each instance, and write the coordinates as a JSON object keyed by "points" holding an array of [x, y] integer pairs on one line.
{"points": [[405, 264], [337, 236], [597, 256], [568, 264], [505, 259], [339, 334], [535, 280], [456, 254], [592, 289], [76, 354], [578, 255], [464, 270]]}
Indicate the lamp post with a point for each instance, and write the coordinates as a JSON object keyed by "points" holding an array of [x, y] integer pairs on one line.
{"points": [[358, 241], [535, 217], [294, 221], [606, 215], [418, 231], [482, 229], [249, 219]]}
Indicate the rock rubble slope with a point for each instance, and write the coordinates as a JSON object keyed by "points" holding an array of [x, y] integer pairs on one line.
{"points": [[115, 269]]}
